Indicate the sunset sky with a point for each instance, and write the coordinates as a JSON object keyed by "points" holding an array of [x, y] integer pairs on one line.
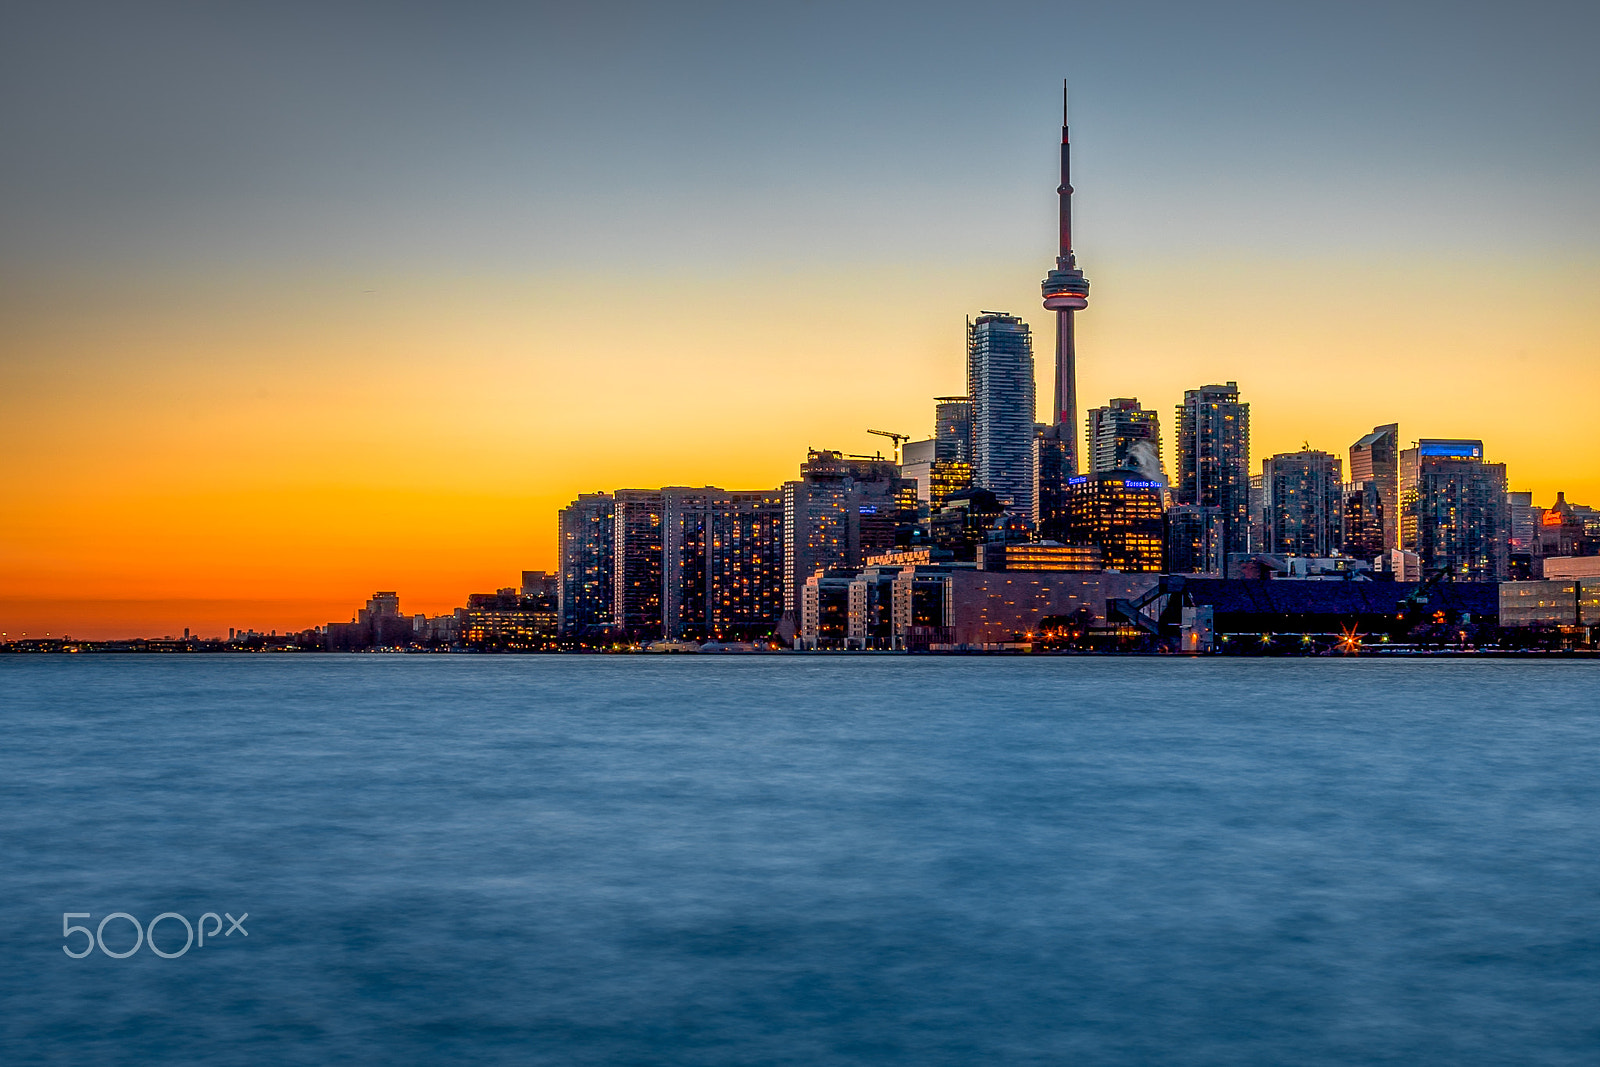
{"points": [[301, 301]]}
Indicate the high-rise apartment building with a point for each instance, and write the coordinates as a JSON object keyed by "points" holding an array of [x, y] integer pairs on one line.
{"points": [[1376, 459], [744, 566], [1124, 436], [1000, 381], [1213, 458], [586, 530], [1303, 491], [840, 511], [1122, 514], [699, 563], [636, 562], [1453, 509]]}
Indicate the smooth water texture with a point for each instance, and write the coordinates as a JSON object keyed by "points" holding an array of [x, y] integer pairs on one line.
{"points": [[802, 860]]}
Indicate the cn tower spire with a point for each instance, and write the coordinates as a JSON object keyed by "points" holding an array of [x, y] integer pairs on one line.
{"points": [[1066, 291]]}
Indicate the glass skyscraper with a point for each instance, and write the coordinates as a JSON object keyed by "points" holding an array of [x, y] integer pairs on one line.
{"points": [[1000, 383]]}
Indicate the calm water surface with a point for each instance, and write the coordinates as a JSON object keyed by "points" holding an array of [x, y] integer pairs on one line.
{"points": [[789, 860]]}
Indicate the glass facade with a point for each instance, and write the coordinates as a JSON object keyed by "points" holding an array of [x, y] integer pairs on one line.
{"points": [[1303, 491], [1453, 509], [1213, 460], [586, 529], [1000, 382]]}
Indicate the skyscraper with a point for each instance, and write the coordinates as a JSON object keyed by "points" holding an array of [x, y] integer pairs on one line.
{"points": [[1453, 509], [1000, 382], [1066, 292], [1213, 459], [1124, 436], [1302, 502], [1376, 459], [586, 528]]}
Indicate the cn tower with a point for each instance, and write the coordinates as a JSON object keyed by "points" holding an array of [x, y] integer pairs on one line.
{"points": [[1066, 291]]}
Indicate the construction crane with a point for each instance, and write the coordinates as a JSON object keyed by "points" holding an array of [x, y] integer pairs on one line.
{"points": [[897, 438]]}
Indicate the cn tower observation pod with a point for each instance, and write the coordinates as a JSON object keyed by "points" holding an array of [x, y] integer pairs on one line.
{"points": [[1065, 290]]}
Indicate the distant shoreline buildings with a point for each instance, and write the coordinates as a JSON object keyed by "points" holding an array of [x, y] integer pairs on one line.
{"points": [[998, 532]]}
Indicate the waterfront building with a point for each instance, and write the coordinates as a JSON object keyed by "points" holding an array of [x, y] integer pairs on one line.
{"points": [[1213, 458], [636, 562], [870, 609], [1303, 491], [1194, 540], [1000, 380], [1571, 604], [991, 610], [508, 619], [586, 533], [841, 510], [744, 574], [1375, 461], [1124, 436], [825, 609], [1453, 509], [920, 607], [1120, 513]]}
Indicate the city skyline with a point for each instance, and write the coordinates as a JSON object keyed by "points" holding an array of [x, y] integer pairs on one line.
{"points": [[225, 434]]}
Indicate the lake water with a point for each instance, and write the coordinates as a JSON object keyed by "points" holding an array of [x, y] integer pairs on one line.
{"points": [[793, 860]]}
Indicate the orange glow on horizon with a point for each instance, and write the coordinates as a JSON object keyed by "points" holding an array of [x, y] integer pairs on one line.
{"points": [[266, 453]]}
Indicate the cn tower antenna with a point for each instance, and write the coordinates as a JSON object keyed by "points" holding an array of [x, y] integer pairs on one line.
{"points": [[1066, 291]]}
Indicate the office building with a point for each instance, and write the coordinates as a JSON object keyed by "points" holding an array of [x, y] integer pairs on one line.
{"points": [[952, 428], [1213, 458], [586, 532], [1303, 491], [1453, 509], [1124, 436], [1375, 460], [1120, 514], [1000, 379]]}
